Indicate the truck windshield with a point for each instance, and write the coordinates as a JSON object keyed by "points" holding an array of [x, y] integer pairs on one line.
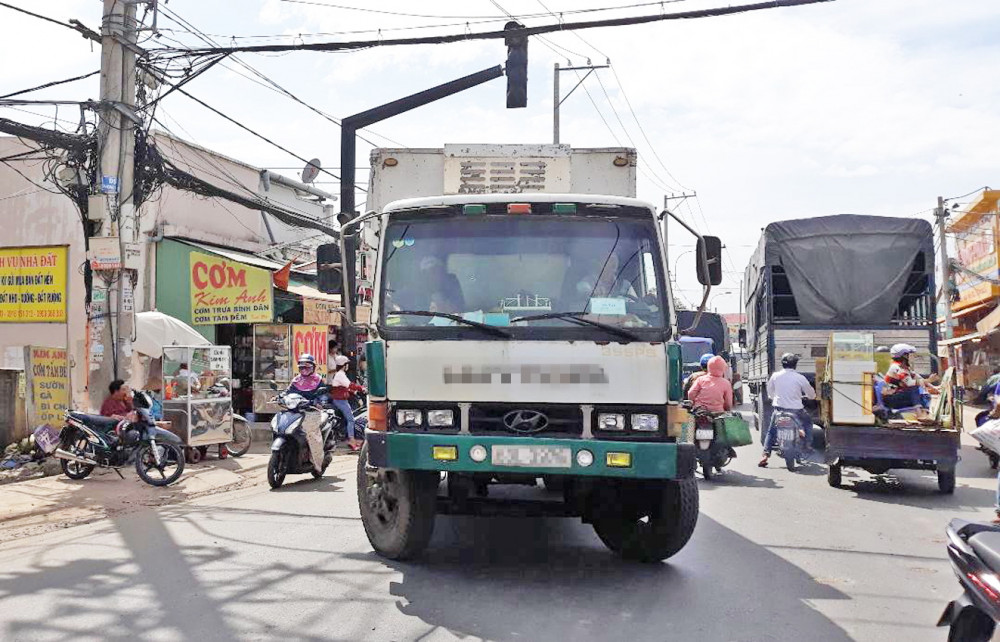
{"points": [[523, 270]]}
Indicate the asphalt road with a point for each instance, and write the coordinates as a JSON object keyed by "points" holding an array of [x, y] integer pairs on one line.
{"points": [[776, 556]]}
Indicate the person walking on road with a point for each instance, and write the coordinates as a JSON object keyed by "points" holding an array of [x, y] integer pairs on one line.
{"points": [[343, 388], [786, 388]]}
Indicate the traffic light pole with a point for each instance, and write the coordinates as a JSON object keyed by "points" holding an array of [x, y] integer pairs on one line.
{"points": [[348, 149]]}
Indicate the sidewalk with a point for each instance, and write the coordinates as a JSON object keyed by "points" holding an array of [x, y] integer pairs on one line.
{"points": [[50, 503]]}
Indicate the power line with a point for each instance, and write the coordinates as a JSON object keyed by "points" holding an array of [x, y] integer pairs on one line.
{"points": [[72, 24], [493, 35], [50, 84]]}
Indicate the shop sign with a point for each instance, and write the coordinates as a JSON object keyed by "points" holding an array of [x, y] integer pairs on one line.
{"points": [[224, 291], [320, 312], [47, 379], [977, 252], [311, 339], [33, 284]]}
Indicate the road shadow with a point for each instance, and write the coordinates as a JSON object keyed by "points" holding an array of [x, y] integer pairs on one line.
{"points": [[307, 484], [729, 477], [516, 579], [918, 489]]}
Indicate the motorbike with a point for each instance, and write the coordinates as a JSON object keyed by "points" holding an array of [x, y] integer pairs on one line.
{"points": [[712, 452], [87, 442], [289, 447], [974, 550], [789, 441], [994, 458]]}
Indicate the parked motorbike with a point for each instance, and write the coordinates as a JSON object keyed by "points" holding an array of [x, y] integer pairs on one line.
{"points": [[289, 448], [712, 452], [90, 441], [789, 440], [974, 550]]}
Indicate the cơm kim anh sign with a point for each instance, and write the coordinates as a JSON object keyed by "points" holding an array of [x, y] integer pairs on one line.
{"points": [[224, 291]]}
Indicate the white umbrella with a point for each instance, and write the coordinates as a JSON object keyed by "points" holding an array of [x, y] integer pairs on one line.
{"points": [[154, 330]]}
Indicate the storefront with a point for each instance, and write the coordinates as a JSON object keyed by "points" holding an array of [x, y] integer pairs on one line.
{"points": [[976, 275], [231, 298]]}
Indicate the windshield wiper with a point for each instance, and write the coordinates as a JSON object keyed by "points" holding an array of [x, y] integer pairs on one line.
{"points": [[578, 318], [492, 329]]}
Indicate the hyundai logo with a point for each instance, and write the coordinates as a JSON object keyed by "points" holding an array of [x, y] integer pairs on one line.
{"points": [[525, 421]]}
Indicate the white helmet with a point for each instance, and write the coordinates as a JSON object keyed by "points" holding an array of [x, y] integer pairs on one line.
{"points": [[340, 360], [901, 350]]}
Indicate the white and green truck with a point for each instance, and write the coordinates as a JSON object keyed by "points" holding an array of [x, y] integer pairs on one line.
{"points": [[519, 339]]}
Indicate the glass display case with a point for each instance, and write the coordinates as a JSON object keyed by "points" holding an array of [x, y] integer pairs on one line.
{"points": [[272, 366], [198, 400]]}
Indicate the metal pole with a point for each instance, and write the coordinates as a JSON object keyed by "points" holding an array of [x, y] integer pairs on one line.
{"points": [[941, 214], [555, 105], [116, 149]]}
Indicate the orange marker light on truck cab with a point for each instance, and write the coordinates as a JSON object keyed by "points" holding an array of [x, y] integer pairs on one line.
{"points": [[378, 412], [519, 208]]}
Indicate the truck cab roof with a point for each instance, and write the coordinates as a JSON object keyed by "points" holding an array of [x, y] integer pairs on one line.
{"points": [[470, 199]]}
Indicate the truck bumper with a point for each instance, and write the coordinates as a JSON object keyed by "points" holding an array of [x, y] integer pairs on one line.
{"points": [[649, 460]]}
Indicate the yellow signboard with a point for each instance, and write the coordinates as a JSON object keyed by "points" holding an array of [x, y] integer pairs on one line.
{"points": [[224, 291], [977, 253], [320, 312], [47, 384], [311, 339], [33, 284]]}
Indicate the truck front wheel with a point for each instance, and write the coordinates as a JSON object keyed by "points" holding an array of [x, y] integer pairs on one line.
{"points": [[397, 508], [650, 525]]}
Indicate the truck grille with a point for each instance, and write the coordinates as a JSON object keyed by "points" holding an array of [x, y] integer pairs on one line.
{"points": [[559, 420]]}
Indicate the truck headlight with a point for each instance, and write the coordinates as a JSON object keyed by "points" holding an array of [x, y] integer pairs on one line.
{"points": [[440, 418], [610, 421], [409, 417], [645, 422]]}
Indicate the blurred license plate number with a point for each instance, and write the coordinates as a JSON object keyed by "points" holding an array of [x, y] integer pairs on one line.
{"points": [[786, 434], [704, 433], [532, 456]]}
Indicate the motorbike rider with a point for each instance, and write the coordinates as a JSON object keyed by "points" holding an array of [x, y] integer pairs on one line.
{"points": [[712, 391], [786, 388], [703, 362], [307, 383], [342, 390], [903, 387]]}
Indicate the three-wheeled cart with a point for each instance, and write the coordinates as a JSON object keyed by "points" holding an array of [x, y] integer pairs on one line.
{"points": [[860, 435], [198, 397]]}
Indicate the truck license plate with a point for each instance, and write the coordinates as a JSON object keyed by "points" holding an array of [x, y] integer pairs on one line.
{"points": [[786, 434], [532, 456], [704, 433]]}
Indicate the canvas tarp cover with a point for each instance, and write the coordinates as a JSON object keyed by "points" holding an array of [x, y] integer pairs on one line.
{"points": [[848, 269]]}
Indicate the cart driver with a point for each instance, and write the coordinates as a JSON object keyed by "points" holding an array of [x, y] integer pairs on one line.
{"points": [[307, 384]]}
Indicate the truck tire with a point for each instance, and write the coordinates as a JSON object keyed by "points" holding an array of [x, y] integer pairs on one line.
{"points": [[397, 508], [833, 476], [946, 481], [653, 526], [554, 483]]}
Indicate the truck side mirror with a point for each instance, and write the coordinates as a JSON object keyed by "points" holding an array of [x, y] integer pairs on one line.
{"points": [[328, 267], [742, 334], [709, 258]]}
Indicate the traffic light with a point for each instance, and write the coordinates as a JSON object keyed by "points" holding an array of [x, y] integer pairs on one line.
{"points": [[328, 266], [517, 67]]}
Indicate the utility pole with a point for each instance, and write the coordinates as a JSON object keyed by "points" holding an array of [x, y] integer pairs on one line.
{"points": [[557, 101], [110, 324], [941, 214]]}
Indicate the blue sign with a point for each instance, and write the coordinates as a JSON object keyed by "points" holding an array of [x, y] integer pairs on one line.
{"points": [[109, 184]]}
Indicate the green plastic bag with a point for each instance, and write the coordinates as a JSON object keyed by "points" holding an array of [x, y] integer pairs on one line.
{"points": [[734, 430]]}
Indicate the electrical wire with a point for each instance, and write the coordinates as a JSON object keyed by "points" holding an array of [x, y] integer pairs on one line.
{"points": [[50, 84]]}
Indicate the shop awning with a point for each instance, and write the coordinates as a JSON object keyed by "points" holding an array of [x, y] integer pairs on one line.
{"points": [[962, 339], [309, 292], [241, 257], [968, 310], [989, 323]]}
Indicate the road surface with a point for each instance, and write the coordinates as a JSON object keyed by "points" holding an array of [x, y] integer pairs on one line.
{"points": [[776, 556]]}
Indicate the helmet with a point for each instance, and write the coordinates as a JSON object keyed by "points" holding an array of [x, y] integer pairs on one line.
{"points": [[789, 360], [341, 360], [705, 358], [901, 350], [307, 358]]}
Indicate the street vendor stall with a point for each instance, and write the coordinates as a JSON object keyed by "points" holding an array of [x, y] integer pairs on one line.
{"points": [[198, 397]]}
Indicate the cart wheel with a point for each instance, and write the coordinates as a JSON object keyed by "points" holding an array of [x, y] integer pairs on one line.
{"points": [[192, 455], [946, 481], [994, 460], [223, 451], [833, 476]]}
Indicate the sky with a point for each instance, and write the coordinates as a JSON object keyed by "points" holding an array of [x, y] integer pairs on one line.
{"points": [[849, 106]]}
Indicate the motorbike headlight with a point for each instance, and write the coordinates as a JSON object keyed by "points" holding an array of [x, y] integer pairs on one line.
{"points": [[645, 422], [610, 421], [409, 417], [440, 418]]}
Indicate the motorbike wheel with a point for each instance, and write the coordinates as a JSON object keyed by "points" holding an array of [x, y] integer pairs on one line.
{"points": [[833, 476], [972, 625], [75, 470], [277, 468], [398, 508], [650, 525], [790, 463], [706, 470], [994, 460], [170, 468], [242, 439]]}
